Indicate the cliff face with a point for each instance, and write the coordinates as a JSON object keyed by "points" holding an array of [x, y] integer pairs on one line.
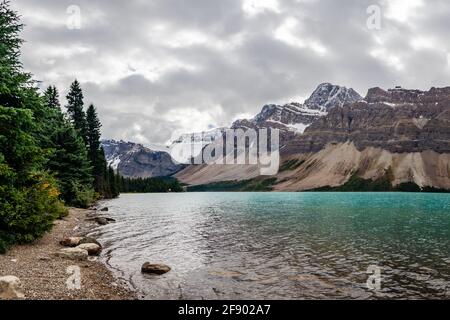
{"points": [[398, 120], [135, 160]]}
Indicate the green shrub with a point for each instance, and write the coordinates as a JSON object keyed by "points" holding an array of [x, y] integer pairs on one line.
{"points": [[83, 196], [27, 213]]}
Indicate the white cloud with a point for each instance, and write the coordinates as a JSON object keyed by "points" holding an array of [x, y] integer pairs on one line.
{"points": [[403, 10], [254, 7], [388, 58], [288, 32], [423, 43], [184, 119], [175, 64]]}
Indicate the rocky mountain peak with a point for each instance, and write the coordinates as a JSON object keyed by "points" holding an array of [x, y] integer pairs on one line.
{"points": [[395, 95], [327, 96], [293, 118], [135, 160], [397, 120]]}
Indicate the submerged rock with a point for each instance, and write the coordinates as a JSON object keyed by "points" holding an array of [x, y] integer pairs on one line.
{"points": [[104, 209], [73, 254], [10, 288], [92, 248], [70, 241], [101, 221], [153, 268]]}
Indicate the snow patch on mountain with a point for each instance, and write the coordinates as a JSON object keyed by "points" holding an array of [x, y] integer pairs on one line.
{"points": [[327, 96], [299, 127], [295, 117], [135, 160]]}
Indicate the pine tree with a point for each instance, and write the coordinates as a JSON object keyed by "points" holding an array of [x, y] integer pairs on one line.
{"points": [[149, 185], [18, 100], [35, 139], [51, 117], [117, 182], [104, 189], [113, 182], [75, 110], [28, 197], [71, 165], [107, 192], [12, 78], [69, 159], [96, 154], [93, 132], [51, 98]]}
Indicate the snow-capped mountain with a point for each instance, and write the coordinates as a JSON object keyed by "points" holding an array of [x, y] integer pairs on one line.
{"points": [[200, 137], [294, 118], [327, 96], [135, 160], [190, 145], [290, 117]]}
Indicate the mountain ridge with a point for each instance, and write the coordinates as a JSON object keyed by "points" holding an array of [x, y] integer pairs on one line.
{"points": [[400, 134], [137, 161], [293, 118]]}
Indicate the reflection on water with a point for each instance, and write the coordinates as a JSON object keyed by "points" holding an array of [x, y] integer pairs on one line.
{"points": [[281, 245]]}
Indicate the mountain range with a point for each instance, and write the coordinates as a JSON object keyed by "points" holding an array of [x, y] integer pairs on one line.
{"points": [[398, 137], [135, 160]]}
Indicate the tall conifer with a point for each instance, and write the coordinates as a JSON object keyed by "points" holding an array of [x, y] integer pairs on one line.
{"points": [[28, 198], [75, 105]]}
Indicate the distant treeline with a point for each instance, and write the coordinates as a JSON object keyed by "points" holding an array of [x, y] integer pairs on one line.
{"points": [[48, 158], [258, 184], [383, 184], [149, 185]]}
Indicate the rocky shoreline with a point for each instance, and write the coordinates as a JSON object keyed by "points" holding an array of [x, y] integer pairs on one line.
{"points": [[46, 269]]}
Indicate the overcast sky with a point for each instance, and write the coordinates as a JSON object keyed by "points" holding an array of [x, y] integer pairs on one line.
{"points": [[153, 67]]}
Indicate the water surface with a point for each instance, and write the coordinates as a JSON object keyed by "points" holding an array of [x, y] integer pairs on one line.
{"points": [[281, 245]]}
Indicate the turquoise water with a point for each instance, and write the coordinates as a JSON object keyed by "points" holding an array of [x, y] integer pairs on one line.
{"points": [[281, 245]]}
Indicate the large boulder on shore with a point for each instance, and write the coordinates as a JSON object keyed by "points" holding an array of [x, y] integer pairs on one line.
{"points": [[73, 254], [10, 288], [153, 268], [70, 241], [90, 240], [92, 248]]}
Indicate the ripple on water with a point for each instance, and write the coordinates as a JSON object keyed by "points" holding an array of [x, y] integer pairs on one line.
{"points": [[281, 245]]}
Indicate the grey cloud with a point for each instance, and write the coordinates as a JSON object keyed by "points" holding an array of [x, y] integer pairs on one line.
{"points": [[143, 85]]}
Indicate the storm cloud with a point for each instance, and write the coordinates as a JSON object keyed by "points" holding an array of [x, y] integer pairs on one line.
{"points": [[157, 67]]}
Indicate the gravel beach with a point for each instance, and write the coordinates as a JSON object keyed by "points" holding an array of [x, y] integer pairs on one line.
{"points": [[43, 275]]}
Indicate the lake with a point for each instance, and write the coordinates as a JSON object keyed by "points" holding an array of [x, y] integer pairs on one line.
{"points": [[281, 245]]}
